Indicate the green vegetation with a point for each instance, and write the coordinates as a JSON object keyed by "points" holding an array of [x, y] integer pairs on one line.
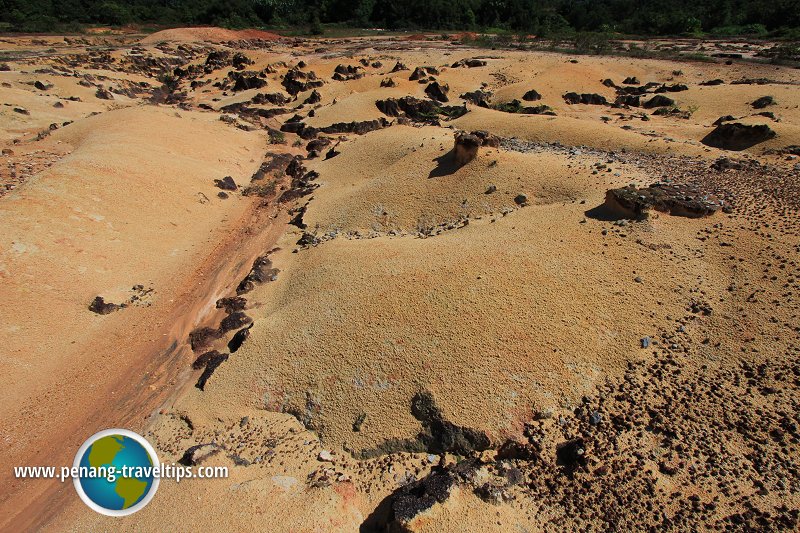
{"points": [[277, 137], [587, 21]]}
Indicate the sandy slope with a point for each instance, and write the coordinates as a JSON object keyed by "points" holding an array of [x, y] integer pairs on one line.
{"points": [[132, 204]]}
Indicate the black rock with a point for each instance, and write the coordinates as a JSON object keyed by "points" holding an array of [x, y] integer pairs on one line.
{"points": [[235, 320], [479, 98], [585, 98], [243, 82], [202, 337], [531, 96], [571, 455], [437, 91], [313, 98], [659, 101], [738, 136], [238, 339], [101, 307], [103, 94], [232, 304], [726, 118], [763, 102], [632, 100], [210, 366], [226, 184], [677, 200]]}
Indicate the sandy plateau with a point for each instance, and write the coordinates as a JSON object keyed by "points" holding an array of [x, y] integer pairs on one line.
{"points": [[401, 285]]}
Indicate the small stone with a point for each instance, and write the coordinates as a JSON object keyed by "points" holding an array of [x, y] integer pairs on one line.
{"points": [[594, 418], [645, 342], [325, 456]]}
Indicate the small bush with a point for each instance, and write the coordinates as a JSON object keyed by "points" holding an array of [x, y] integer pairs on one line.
{"points": [[277, 137]]}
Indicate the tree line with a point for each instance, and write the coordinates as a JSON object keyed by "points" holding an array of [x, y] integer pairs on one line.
{"points": [[537, 17]]}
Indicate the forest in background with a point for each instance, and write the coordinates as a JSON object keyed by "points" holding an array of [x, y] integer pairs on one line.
{"points": [[757, 18]]}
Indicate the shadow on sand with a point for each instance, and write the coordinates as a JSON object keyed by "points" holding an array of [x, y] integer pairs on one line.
{"points": [[604, 213], [445, 165]]}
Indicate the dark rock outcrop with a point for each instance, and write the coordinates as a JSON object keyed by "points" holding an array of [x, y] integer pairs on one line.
{"points": [[262, 271], [358, 128], [532, 96], [585, 98], [479, 98], [203, 359], [659, 101], [471, 63], [764, 101], [232, 304], [347, 72], [238, 339], [440, 435], [101, 307], [466, 148], [418, 110], [423, 72], [226, 184], [210, 366], [413, 499], [676, 88], [738, 136], [726, 118], [296, 81], [515, 106], [243, 81], [313, 98], [202, 337], [270, 98], [678, 200], [631, 100], [437, 91], [235, 320]]}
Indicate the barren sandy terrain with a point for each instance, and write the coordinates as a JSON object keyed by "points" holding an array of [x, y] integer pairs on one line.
{"points": [[402, 284]]}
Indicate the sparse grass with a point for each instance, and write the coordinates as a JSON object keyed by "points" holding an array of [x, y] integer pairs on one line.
{"points": [[277, 137], [675, 111]]}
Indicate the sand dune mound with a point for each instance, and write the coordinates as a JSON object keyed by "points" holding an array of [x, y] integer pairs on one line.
{"points": [[404, 179], [129, 207], [355, 328], [208, 34]]}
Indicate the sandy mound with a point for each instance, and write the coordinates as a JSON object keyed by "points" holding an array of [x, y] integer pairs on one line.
{"points": [[341, 337], [209, 34], [128, 214]]}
